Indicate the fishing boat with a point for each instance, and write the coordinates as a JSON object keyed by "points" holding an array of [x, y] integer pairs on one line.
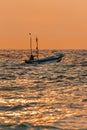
{"points": [[55, 58]]}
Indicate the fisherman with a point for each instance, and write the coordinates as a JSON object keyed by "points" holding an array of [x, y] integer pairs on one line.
{"points": [[31, 57]]}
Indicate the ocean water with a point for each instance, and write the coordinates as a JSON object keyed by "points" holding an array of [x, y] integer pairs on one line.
{"points": [[43, 96]]}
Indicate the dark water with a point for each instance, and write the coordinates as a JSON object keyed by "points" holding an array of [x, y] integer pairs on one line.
{"points": [[43, 97]]}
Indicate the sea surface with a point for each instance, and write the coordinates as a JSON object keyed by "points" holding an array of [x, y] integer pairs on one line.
{"points": [[43, 96]]}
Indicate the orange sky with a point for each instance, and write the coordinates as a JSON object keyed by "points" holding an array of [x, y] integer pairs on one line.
{"points": [[59, 24]]}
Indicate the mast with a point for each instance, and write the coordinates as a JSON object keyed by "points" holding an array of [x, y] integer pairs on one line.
{"points": [[37, 51], [30, 44]]}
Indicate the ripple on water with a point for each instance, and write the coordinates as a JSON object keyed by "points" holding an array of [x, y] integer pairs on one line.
{"points": [[11, 88], [43, 97]]}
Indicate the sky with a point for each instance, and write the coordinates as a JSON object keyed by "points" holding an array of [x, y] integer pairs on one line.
{"points": [[58, 24]]}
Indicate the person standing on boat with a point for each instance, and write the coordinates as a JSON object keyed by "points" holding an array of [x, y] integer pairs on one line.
{"points": [[31, 57]]}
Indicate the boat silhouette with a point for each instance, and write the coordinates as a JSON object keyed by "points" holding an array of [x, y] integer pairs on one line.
{"points": [[50, 59]]}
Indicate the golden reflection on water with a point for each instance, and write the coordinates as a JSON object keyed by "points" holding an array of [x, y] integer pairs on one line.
{"points": [[49, 109], [48, 96]]}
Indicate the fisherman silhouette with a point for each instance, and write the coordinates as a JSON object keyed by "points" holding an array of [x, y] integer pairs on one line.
{"points": [[31, 57]]}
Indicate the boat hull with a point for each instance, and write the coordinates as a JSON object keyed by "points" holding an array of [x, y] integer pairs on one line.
{"points": [[56, 58]]}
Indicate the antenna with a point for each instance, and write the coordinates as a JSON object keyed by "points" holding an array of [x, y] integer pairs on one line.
{"points": [[37, 51], [30, 43]]}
